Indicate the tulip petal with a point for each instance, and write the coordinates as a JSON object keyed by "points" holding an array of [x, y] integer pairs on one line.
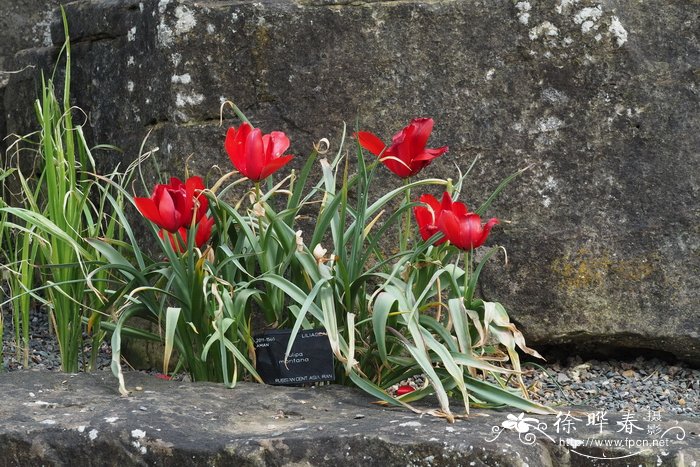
{"points": [[470, 231], [254, 155], [169, 216], [486, 230], [175, 183], [449, 225], [428, 230], [233, 148], [395, 164], [424, 216], [431, 201], [280, 143], [430, 154], [428, 217], [184, 203], [401, 136], [446, 201], [422, 127], [147, 207], [417, 165], [370, 142], [402, 147], [460, 209], [235, 145], [426, 221], [203, 231], [194, 183], [199, 202], [274, 165]]}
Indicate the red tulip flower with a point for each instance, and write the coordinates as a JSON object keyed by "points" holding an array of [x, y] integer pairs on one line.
{"points": [[201, 236], [173, 206], [407, 154], [463, 228], [427, 216], [255, 155], [203, 232]]}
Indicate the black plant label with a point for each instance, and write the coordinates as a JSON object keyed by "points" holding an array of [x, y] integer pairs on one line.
{"points": [[310, 360]]}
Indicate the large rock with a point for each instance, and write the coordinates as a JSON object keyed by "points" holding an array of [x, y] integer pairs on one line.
{"points": [[57, 419], [600, 97]]}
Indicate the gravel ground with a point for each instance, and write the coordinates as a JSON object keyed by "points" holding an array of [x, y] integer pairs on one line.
{"points": [[43, 352], [638, 385]]}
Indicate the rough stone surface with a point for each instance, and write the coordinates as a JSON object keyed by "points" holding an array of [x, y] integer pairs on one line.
{"points": [[58, 419], [600, 96], [23, 24]]}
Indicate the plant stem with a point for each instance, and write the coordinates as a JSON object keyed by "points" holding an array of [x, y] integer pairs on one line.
{"points": [[257, 192], [257, 201], [405, 237], [467, 272]]}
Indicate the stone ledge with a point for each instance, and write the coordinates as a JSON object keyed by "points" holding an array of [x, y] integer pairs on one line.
{"points": [[58, 419]]}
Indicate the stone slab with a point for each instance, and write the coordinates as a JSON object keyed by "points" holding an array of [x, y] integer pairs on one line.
{"points": [[57, 419]]}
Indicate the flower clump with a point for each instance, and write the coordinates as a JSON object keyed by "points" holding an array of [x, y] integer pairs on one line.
{"points": [[401, 326]]}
